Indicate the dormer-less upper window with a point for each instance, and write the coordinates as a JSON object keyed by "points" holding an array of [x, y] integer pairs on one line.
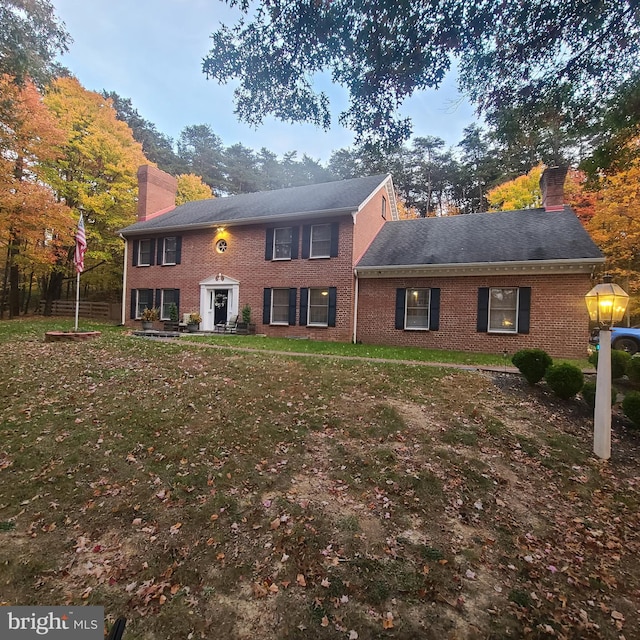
{"points": [[282, 243], [320, 241], [169, 250], [145, 253]]}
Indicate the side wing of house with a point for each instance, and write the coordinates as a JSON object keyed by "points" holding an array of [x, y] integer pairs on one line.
{"points": [[491, 282]]}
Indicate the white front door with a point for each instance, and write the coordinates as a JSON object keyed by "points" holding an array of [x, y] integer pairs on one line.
{"points": [[218, 300]]}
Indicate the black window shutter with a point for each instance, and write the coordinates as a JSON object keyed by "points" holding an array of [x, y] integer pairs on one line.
{"points": [[268, 245], [295, 231], [266, 307], [306, 240], [136, 251], [483, 310], [304, 303], [158, 298], [332, 306], [434, 310], [153, 252], [293, 295], [177, 300], [524, 309], [160, 256], [401, 295], [178, 249], [335, 231], [134, 295]]}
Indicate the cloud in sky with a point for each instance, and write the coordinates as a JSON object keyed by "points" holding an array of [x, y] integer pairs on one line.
{"points": [[151, 51]]}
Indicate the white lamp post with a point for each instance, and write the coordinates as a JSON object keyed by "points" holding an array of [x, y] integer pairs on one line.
{"points": [[606, 303]]}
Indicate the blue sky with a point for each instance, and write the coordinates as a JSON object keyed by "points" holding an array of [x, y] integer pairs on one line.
{"points": [[151, 51]]}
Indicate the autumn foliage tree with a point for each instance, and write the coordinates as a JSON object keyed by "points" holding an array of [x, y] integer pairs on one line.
{"points": [[615, 226], [35, 228], [190, 188], [96, 175], [519, 193]]}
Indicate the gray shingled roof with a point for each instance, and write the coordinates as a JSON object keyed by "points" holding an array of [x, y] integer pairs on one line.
{"points": [[327, 198], [506, 236]]}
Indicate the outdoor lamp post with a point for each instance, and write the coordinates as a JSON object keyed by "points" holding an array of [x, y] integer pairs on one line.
{"points": [[606, 303]]}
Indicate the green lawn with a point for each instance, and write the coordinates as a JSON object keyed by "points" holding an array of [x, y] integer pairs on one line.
{"points": [[207, 493]]}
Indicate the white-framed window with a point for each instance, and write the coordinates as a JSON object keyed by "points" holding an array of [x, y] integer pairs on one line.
{"points": [[318, 314], [169, 250], [144, 300], [167, 298], [384, 208], [320, 241], [145, 248], [282, 238], [416, 314], [221, 245], [503, 310], [280, 306]]}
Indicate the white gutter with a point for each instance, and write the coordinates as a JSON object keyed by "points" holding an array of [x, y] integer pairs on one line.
{"points": [[355, 308], [573, 265], [124, 280]]}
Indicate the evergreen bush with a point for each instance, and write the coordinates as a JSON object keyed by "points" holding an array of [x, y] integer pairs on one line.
{"points": [[633, 369], [589, 394], [631, 407], [532, 364], [565, 380], [619, 362]]}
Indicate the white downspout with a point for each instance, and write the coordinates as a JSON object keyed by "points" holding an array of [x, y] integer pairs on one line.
{"points": [[124, 281], [355, 308]]}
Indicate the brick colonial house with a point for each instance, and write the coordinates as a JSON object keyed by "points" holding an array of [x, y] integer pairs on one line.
{"points": [[333, 262]]}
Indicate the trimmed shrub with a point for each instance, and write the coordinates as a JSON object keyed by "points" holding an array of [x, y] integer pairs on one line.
{"points": [[532, 364], [631, 407], [565, 380], [633, 369], [589, 394], [619, 362]]}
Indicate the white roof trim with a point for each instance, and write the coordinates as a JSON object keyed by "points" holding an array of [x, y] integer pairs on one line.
{"points": [[576, 265]]}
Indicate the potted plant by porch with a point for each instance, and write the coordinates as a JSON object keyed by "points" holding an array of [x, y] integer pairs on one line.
{"points": [[194, 321], [246, 319], [172, 324], [148, 317]]}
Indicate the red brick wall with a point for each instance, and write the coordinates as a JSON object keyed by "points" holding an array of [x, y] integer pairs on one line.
{"points": [[369, 221], [559, 319], [156, 191], [244, 261]]}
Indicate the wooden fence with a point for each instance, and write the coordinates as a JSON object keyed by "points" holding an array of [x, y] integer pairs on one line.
{"points": [[111, 311]]}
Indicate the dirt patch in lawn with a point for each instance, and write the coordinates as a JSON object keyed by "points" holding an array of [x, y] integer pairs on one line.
{"points": [[204, 495]]}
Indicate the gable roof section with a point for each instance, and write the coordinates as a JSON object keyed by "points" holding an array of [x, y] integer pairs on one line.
{"points": [[329, 198], [505, 241]]}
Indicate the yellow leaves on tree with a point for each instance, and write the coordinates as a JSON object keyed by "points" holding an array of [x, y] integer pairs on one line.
{"points": [[615, 225], [520, 193], [97, 169], [190, 188]]}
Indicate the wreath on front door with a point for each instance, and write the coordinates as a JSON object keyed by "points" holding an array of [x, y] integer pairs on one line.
{"points": [[220, 300]]}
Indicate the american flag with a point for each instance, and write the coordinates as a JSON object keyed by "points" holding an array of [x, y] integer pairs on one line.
{"points": [[81, 246]]}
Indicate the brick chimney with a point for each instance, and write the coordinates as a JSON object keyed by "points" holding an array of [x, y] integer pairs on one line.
{"points": [[156, 192], [552, 187]]}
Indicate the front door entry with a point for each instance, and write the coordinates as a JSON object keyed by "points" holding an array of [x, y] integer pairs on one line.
{"points": [[219, 303]]}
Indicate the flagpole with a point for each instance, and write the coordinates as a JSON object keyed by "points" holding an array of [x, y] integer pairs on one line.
{"points": [[78, 260], [77, 300]]}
